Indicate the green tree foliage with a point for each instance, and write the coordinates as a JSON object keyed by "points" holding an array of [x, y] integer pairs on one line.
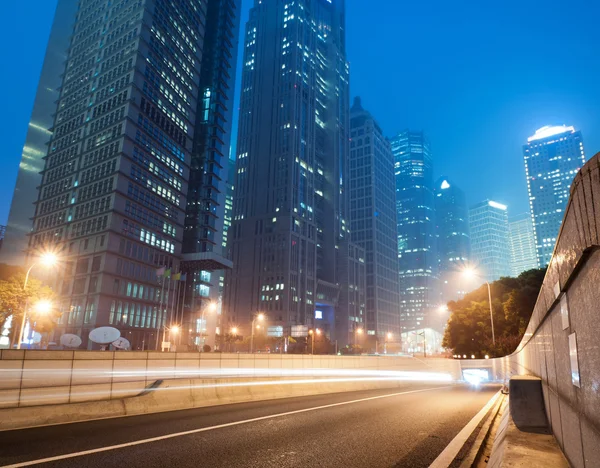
{"points": [[469, 329], [13, 299]]}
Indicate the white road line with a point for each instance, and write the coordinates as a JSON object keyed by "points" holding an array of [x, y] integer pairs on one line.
{"points": [[204, 429], [449, 454]]}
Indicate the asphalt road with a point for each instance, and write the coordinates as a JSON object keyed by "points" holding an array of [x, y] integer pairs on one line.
{"points": [[407, 426]]}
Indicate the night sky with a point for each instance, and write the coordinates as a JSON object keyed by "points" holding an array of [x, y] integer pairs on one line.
{"points": [[477, 78]]}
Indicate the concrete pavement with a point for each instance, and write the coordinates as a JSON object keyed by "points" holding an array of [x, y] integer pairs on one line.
{"points": [[403, 427]]}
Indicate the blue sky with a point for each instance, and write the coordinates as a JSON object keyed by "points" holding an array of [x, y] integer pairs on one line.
{"points": [[477, 77]]}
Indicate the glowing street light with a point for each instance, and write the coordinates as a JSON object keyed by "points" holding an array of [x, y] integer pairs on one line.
{"points": [[234, 331], [260, 317], [388, 337], [471, 273], [43, 307], [47, 259]]}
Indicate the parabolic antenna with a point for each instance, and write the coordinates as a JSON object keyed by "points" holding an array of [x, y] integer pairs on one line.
{"points": [[36, 338], [104, 335], [70, 341], [121, 343]]}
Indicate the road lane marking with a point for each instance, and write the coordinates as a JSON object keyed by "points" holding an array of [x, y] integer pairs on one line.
{"points": [[210, 428], [445, 458]]}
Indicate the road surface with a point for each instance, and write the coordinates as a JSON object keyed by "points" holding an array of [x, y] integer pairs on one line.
{"points": [[407, 426]]}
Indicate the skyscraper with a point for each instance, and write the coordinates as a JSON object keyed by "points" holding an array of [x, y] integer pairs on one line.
{"points": [[289, 233], [133, 136], [22, 209], [522, 244], [553, 156], [453, 236], [490, 246], [415, 208], [373, 218]]}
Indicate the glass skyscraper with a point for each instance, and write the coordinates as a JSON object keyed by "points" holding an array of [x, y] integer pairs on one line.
{"points": [[522, 244], [289, 235], [490, 245], [131, 179], [415, 208], [373, 219], [453, 237], [553, 156]]}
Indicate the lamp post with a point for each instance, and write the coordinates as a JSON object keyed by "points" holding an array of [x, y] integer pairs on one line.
{"points": [[48, 260], [211, 307], [358, 331], [260, 317], [388, 336], [471, 273], [312, 335]]}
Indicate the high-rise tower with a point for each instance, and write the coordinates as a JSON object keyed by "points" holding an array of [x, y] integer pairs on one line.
{"points": [[132, 137], [289, 233], [419, 288], [453, 237], [488, 222], [373, 219], [553, 156], [522, 244]]}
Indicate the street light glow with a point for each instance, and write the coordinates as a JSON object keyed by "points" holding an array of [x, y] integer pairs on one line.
{"points": [[389, 336], [48, 259], [175, 329], [359, 331], [234, 330], [212, 306], [43, 307], [469, 272], [318, 331], [260, 316]]}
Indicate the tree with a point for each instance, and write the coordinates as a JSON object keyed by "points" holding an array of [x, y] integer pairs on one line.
{"points": [[14, 299], [469, 329]]}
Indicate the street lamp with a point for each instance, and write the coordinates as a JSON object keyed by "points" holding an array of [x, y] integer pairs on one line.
{"points": [[357, 332], [388, 336], [312, 335], [260, 317], [211, 307], [472, 273], [48, 260]]}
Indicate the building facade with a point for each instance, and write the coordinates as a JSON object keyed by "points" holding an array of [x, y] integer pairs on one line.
{"points": [[22, 209], [373, 219], [289, 233], [453, 237], [552, 156], [415, 208], [522, 244], [129, 144], [490, 245]]}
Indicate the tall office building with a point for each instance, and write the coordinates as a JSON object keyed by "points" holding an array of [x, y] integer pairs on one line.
{"points": [[133, 136], [453, 237], [22, 209], [490, 245], [415, 208], [373, 219], [553, 156], [522, 244], [289, 238]]}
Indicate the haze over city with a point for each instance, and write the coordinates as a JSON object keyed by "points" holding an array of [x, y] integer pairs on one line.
{"points": [[283, 233]]}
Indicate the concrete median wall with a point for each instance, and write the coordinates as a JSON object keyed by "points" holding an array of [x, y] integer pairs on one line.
{"points": [[36, 378], [177, 394]]}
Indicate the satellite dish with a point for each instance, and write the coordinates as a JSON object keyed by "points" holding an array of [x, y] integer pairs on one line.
{"points": [[121, 343], [104, 335], [36, 338], [70, 341]]}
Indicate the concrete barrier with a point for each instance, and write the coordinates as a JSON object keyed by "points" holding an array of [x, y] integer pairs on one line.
{"points": [[177, 394], [527, 403], [35, 378]]}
